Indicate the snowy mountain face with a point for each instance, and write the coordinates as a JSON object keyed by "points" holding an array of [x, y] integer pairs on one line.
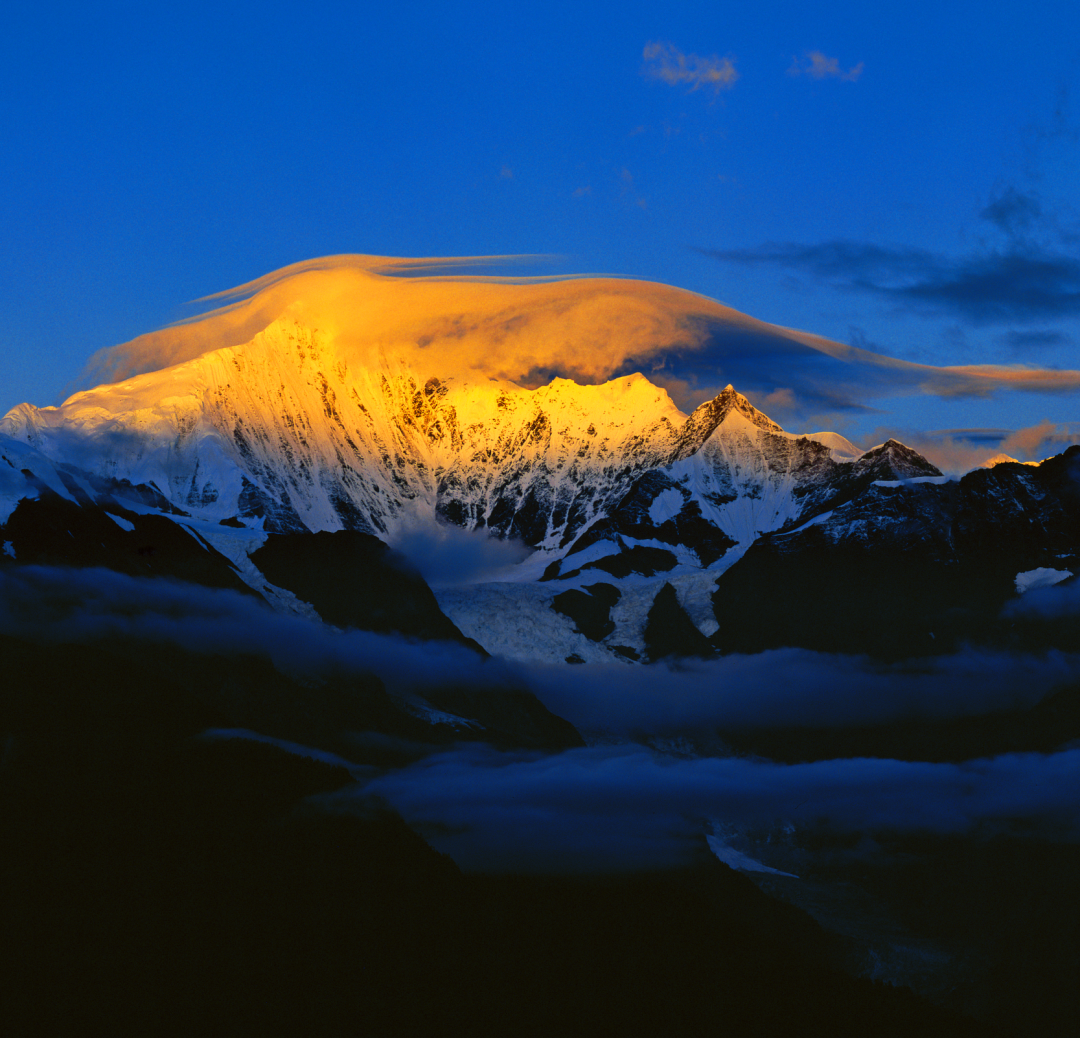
{"points": [[280, 434], [615, 491]]}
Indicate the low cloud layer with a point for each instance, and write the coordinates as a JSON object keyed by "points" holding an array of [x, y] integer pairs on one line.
{"points": [[797, 687], [58, 605], [447, 555], [1060, 601], [619, 805], [624, 807], [779, 687]]}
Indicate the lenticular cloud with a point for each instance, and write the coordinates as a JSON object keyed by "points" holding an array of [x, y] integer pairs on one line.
{"points": [[529, 330]]}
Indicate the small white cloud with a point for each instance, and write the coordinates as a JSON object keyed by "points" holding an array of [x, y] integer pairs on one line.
{"points": [[664, 61], [819, 66]]}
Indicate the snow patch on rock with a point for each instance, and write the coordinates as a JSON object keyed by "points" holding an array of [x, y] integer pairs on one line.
{"points": [[124, 524], [1041, 577]]}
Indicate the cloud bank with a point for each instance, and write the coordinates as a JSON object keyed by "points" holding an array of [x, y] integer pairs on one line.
{"points": [[50, 604], [797, 687], [620, 805], [447, 555], [781, 687]]}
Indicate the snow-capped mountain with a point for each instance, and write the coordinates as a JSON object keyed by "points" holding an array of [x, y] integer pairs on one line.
{"points": [[281, 434], [612, 491]]}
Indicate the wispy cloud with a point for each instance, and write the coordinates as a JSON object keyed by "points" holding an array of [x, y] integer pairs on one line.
{"points": [[819, 66], [1012, 211], [1039, 441], [1031, 274], [1022, 340], [1011, 284], [664, 61]]}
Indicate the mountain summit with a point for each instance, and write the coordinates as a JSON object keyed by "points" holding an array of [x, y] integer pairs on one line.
{"points": [[283, 434]]}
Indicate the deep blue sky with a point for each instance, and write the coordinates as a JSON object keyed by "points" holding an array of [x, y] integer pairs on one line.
{"points": [[905, 177]]}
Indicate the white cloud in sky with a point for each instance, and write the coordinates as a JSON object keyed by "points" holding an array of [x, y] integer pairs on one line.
{"points": [[819, 66], [664, 61]]}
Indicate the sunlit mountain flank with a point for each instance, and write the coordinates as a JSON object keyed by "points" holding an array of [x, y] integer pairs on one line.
{"points": [[392, 628]]}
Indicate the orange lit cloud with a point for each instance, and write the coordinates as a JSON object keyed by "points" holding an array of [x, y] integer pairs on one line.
{"points": [[370, 308], [819, 66], [1039, 441], [439, 319], [984, 379], [664, 61]]}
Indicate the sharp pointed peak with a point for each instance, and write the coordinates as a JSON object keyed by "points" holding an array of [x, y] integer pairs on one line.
{"points": [[730, 399], [706, 417]]}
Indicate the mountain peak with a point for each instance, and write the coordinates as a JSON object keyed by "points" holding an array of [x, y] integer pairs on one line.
{"points": [[705, 419], [895, 460]]}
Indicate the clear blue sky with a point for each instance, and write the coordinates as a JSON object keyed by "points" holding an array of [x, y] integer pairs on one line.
{"points": [[901, 176]]}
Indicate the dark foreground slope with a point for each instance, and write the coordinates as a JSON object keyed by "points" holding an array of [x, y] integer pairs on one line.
{"points": [[161, 882]]}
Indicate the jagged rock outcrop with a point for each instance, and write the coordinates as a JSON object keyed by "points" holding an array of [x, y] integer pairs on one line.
{"points": [[905, 569]]}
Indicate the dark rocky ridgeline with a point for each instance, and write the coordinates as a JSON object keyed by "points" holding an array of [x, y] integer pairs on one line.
{"points": [[158, 882], [820, 484], [643, 559], [907, 570], [1004, 904], [630, 518], [354, 580], [53, 531]]}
